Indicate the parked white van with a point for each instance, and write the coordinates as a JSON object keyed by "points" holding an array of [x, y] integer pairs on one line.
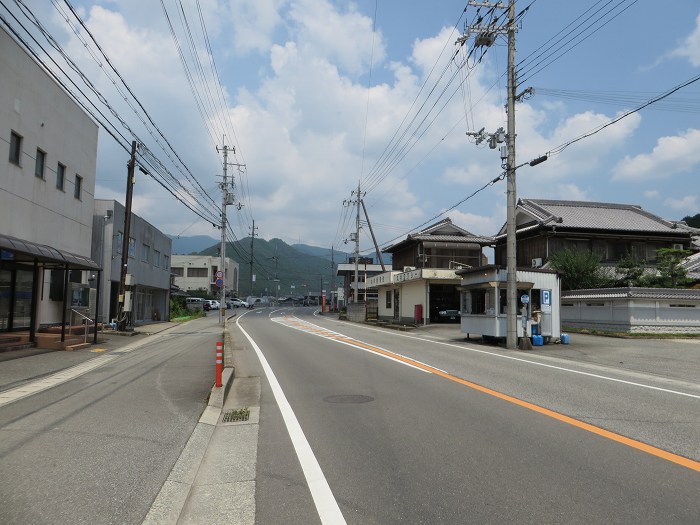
{"points": [[194, 303]]}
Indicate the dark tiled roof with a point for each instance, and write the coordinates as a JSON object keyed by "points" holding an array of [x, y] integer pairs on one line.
{"points": [[639, 293], [598, 216], [442, 231]]}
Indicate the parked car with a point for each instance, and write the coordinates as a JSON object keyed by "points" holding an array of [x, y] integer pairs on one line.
{"points": [[211, 304], [449, 316], [239, 303]]}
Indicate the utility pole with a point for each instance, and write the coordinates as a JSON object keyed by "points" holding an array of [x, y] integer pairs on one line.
{"points": [[485, 35], [124, 304], [355, 236], [226, 199], [332, 279], [511, 259], [357, 243], [252, 245]]}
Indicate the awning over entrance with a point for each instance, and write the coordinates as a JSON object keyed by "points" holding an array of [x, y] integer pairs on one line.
{"points": [[18, 250]]}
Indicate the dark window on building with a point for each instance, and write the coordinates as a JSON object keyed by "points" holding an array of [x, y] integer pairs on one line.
{"points": [[197, 272], [60, 176], [39, 164], [388, 299], [15, 148], [478, 302], [178, 271], [78, 186]]}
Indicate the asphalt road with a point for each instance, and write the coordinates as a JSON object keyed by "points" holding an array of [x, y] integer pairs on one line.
{"points": [[410, 430], [98, 448]]}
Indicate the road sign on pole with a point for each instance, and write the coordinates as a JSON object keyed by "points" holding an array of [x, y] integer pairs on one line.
{"points": [[219, 282]]}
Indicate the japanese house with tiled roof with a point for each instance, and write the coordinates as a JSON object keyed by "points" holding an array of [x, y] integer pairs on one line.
{"points": [[613, 231], [422, 281]]}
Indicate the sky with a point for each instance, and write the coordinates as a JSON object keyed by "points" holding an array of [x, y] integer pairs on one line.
{"points": [[318, 96]]}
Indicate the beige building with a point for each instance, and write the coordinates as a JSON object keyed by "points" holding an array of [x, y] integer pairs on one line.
{"points": [[198, 272]]}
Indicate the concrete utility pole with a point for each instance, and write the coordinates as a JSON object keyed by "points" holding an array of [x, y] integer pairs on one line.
{"points": [[252, 246], [511, 259], [124, 308], [485, 35], [357, 244], [226, 199]]}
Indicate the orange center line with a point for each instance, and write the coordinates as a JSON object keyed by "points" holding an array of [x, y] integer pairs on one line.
{"points": [[649, 449]]}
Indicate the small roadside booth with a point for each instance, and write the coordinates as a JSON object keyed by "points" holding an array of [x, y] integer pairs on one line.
{"points": [[484, 302]]}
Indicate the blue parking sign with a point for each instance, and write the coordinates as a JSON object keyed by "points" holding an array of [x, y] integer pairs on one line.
{"points": [[546, 297]]}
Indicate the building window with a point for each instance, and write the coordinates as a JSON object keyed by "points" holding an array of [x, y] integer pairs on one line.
{"points": [[156, 258], [39, 164], [78, 186], [197, 272], [166, 261], [178, 271], [132, 247], [145, 253], [60, 176], [388, 298], [15, 148], [119, 240]]}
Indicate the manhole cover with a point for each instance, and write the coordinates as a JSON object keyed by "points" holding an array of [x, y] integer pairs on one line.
{"points": [[348, 398], [231, 416]]}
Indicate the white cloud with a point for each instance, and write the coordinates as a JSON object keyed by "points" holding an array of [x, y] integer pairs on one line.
{"points": [[690, 47], [478, 224], [344, 38], [652, 194], [684, 204], [571, 192], [252, 22], [671, 156]]}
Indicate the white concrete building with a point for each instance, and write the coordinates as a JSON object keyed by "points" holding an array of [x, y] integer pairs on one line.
{"points": [[47, 183], [198, 272]]}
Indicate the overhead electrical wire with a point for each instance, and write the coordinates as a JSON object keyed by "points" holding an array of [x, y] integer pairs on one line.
{"points": [[180, 163], [163, 177]]}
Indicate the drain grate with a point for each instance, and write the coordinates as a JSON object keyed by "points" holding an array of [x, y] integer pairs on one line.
{"points": [[237, 414]]}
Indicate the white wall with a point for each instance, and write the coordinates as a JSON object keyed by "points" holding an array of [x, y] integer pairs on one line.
{"points": [[36, 108]]}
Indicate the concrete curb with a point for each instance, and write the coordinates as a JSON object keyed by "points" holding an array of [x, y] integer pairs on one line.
{"points": [[170, 502]]}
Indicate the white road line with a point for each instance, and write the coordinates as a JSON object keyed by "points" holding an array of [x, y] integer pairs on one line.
{"points": [[326, 504], [350, 343], [20, 392], [545, 365]]}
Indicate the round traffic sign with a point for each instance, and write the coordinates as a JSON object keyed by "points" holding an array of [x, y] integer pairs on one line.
{"points": [[219, 274], [219, 282], [524, 298]]}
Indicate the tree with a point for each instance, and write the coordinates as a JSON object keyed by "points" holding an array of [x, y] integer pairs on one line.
{"points": [[581, 269], [630, 272], [672, 274], [693, 221]]}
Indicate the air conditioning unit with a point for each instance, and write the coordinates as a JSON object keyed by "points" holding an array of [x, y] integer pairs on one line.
{"points": [[536, 263], [408, 268], [677, 246]]}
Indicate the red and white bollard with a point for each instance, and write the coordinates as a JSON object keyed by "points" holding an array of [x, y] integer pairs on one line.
{"points": [[219, 363]]}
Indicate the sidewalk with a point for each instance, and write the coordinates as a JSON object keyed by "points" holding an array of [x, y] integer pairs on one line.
{"points": [[21, 366], [212, 481]]}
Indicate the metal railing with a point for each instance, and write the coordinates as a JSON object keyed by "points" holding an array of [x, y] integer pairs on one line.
{"points": [[86, 321]]}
